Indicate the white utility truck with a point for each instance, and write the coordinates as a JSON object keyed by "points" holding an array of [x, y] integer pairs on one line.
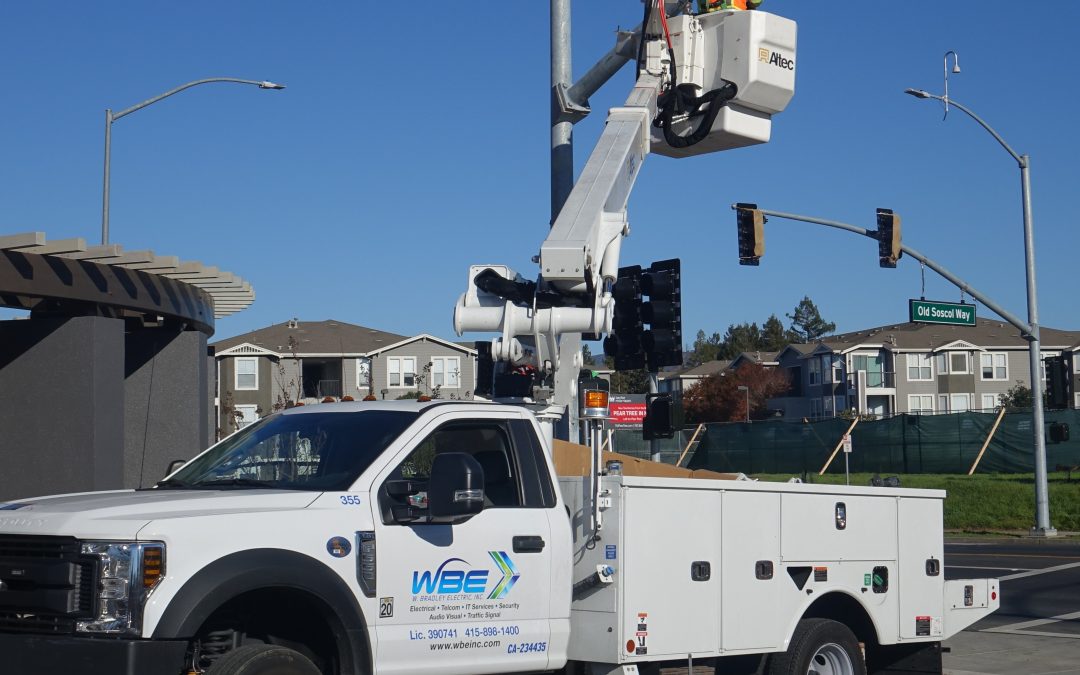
{"points": [[438, 537]]}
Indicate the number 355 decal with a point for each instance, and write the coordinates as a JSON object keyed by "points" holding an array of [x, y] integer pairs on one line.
{"points": [[350, 500]]}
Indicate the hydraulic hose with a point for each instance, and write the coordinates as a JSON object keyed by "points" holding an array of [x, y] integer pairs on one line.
{"points": [[681, 100]]}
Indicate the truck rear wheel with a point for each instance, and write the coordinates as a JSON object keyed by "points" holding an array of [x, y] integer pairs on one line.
{"points": [[820, 647], [263, 660]]}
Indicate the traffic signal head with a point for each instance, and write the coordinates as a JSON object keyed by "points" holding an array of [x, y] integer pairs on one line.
{"points": [[624, 343], [751, 223], [888, 236], [1058, 382], [663, 416], [662, 343]]}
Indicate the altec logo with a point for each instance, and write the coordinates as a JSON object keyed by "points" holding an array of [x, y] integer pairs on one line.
{"points": [[775, 59], [445, 581]]}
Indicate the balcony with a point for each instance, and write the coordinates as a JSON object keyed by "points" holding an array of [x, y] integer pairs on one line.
{"points": [[872, 379]]}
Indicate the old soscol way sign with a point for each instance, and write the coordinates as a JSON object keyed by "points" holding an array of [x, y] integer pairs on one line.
{"points": [[927, 311]]}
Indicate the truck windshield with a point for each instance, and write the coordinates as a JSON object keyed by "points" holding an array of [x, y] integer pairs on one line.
{"points": [[308, 451]]}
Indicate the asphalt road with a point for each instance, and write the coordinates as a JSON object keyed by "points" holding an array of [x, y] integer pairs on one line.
{"points": [[1037, 628]]}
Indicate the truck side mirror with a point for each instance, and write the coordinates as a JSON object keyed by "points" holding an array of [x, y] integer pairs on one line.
{"points": [[456, 488], [174, 465]]}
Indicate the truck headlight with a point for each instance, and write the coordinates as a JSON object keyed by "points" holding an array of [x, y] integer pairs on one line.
{"points": [[127, 573]]}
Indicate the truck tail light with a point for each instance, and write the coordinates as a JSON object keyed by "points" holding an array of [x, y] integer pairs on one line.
{"points": [[365, 562]]}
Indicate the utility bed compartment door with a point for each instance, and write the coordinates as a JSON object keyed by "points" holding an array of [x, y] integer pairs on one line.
{"points": [[922, 569], [671, 536], [750, 614], [818, 528]]}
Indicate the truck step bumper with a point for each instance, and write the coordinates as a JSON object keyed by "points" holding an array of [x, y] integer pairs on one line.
{"points": [[48, 655]]}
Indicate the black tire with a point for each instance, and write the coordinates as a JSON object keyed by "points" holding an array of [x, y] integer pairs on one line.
{"points": [[263, 660], [827, 646]]}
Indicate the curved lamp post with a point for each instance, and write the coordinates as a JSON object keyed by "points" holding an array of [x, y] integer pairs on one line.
{"points": [[111, 117], [1042, 507]]}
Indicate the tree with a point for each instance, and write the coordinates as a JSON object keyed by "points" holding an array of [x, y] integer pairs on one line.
{"points": [[705, 349], [807, 324], [717, 398], [739, 338], [1017, 398], [773, 335], [628, 382], [587, 356]]}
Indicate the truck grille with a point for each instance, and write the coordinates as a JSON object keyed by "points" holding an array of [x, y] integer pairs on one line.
{"points": [[46, 584]]}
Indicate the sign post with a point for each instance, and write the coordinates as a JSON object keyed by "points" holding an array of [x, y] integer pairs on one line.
{"points": [[847, 453], [930, 311]]}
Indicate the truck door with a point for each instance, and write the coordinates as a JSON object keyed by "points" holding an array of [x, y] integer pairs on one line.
{"points": [[472, 597]]}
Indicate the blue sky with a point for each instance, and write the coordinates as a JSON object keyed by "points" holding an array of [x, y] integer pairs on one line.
{"points": [[413, 143]]}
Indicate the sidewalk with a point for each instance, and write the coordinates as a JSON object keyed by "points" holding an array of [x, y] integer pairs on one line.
{"points": [[977, 653]]}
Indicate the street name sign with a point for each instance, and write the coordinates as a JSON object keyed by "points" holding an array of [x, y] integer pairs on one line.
{"points": [[928, 311]]}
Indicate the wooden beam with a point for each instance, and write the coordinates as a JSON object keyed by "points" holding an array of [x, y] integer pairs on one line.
{"points": [[989, 437], [839, 445]]}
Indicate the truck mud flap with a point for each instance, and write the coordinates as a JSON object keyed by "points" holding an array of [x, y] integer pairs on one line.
{"points": [[920, 657]]}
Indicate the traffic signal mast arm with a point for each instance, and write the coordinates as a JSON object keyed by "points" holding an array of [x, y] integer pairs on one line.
{"points": [[1024, 327]]}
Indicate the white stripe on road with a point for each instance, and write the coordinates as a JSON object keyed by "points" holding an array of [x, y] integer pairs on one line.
{"points": [[1044, 570], [1021, 627], [976, 567]]}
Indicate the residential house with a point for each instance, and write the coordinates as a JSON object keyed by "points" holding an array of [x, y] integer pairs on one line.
{"points": [[308, 361], [914, 368], [681, 380]]}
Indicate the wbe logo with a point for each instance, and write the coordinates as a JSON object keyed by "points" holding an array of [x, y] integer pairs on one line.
{"points": [[444, 581]]}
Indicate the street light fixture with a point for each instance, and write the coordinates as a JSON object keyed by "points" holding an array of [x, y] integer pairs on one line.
{"points": [[111, 117], [746, 389], [1042, 506]]}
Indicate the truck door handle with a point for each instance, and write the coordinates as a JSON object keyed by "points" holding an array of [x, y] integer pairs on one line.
{"points": [[528, 544]]}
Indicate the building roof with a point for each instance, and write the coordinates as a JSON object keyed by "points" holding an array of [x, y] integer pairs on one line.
{"points": [[314, 337], [986, 333], [703, 370]]}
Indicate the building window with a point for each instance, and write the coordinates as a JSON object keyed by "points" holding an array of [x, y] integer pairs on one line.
{"points": [[959, 403], [815, 371], [918, 368], [942, 363], [990, 402], [1076, 403], [838, 370], [245, 415], [995, 366], [815, 408], [958, 363], [446, 372], [363, 374], [401, 371], [247, 374], [1076, 362], [827, 402], [920, 404]]}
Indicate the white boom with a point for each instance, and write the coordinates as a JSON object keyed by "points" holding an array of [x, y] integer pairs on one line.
{"points": [[714, 81]]}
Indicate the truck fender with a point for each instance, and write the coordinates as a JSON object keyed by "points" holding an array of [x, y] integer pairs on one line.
{"points": [[239, 573], [840, 605]]}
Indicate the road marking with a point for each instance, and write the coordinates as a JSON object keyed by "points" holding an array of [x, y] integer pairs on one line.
{"points": [[1021, 627], [977, 567], [1011, 555], [1045, 570]]}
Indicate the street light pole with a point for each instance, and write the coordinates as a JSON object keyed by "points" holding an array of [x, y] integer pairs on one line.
{"points": [[111, 117], [1042, 506], [746, 389]]}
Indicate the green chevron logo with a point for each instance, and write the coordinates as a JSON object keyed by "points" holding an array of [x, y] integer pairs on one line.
{"points": [[509, 572]]}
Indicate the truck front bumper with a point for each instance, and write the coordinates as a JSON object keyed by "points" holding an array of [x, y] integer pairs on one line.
{"points": [[49, 655]]}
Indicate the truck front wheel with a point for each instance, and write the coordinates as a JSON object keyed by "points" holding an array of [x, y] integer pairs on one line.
{"points": [[820, 647], [263, 660]]}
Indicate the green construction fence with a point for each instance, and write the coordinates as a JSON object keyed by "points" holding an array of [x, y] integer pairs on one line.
{"points": [[901, 444]]}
